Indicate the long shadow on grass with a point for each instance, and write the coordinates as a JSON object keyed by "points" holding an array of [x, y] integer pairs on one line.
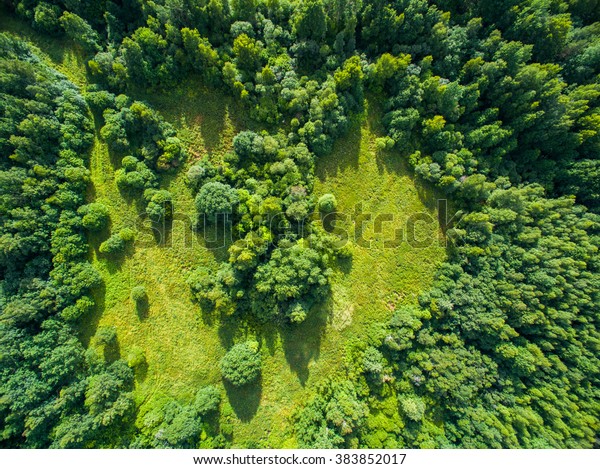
{"points": [[345, 153], [244, 399], [142, 308], [90, 321], [302, 343], [141, 372], [112, 351]]}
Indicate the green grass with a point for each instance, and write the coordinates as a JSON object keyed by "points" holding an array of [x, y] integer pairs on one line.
{"points": [[183, 350], [60, 54], [183, 347], [379, 278]]}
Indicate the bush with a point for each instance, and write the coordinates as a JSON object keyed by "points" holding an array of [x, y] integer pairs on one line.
{"points": [[106, 335], [242, 364], [327, 203], [113, 245], [136, 357], [127, 235], [138, 294], [95, 216]]}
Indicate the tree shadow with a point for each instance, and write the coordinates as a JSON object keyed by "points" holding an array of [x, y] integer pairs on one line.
{"points": [[212, 124], [302, 342], [142, 308], [112, 351], [162, 231], [244, 399], [113, 262], [344, 264], [216, 236], [267, 334], [329, 221], [197, 107], [396, 160], [141, 372], [92, 320], [234, 326], [345, 153], [208, 312]]}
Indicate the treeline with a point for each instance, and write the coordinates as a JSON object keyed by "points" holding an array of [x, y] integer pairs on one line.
{"points": [[503, 351], [496, 103], [301, 64], [53, 392]]}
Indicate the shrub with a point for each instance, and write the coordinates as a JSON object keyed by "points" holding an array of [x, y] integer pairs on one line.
{"points": [[138, 294], [106, 335], [113, 245], [242, 364], [327, 203], [95, 216], [136, 357], [127, 235]]}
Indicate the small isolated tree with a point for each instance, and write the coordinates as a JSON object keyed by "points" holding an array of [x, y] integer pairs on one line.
{"points": [[113, 245], [127, 235], [140, 297], [160, 204], [327, 203], [242, 364], [106, 335], [95, 216], [136, 357], [117, 242], [138, 294]]}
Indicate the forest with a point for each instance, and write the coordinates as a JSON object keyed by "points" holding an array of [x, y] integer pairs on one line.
{"points": [[136, 134]]}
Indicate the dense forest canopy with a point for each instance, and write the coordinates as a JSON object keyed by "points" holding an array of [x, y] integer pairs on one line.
{"points": [[494, 103]]}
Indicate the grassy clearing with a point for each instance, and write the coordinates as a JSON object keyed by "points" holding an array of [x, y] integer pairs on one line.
{"points": [[379, 185], [182, 351], [183, 347], [60, 54]]}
